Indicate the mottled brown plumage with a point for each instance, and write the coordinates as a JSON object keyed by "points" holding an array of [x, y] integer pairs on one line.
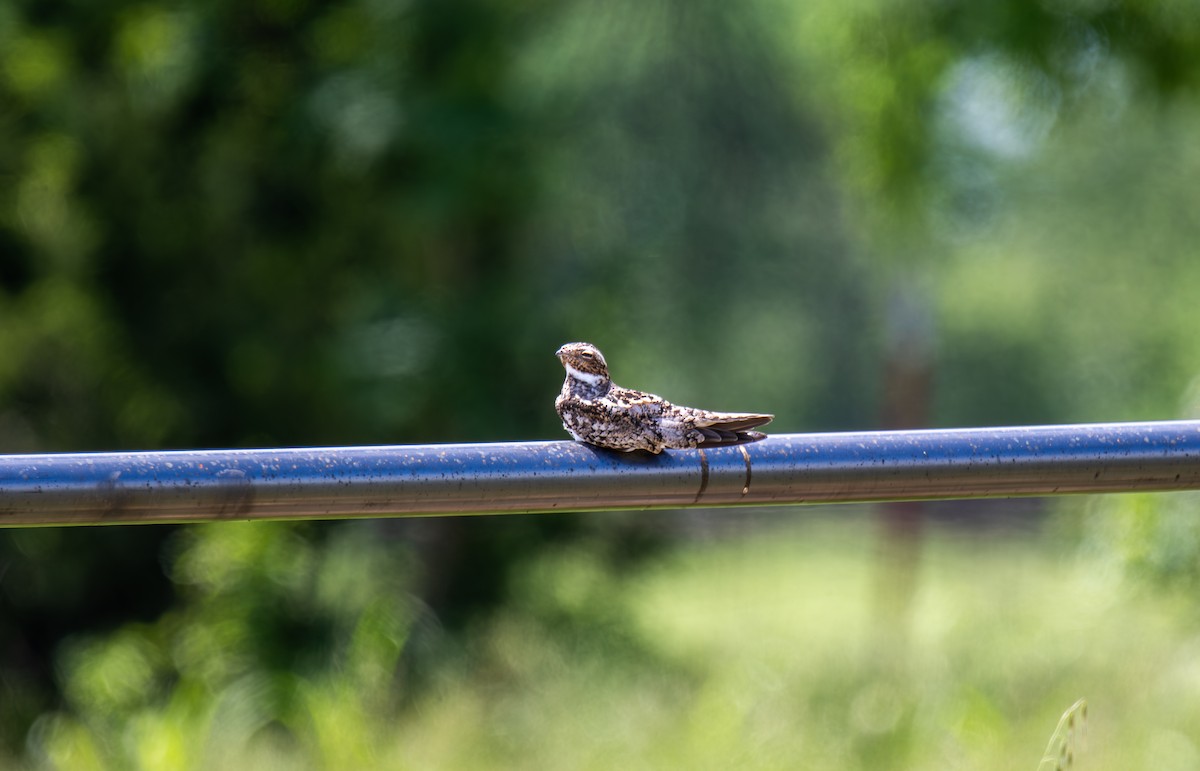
{"points": [[597, 411]]}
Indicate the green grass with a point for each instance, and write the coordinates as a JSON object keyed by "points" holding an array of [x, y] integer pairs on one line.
{"points": [[772, 652]]}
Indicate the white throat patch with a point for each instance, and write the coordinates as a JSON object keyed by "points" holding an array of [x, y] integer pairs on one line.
{"points": [[587, 377]]}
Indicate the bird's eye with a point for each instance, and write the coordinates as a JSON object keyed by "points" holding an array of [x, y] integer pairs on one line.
{"points": [[586, 355]]}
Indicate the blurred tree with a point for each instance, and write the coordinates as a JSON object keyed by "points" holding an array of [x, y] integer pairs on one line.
{"points": [[244, 224]]}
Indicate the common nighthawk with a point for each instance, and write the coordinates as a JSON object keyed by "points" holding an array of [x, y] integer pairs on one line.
{"points": [[596, 410]]}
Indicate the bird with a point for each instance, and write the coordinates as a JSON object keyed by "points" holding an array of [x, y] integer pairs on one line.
{"points": [[597, 411]]}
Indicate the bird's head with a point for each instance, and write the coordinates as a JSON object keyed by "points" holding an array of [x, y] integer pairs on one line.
{"points": [[583, 361]]}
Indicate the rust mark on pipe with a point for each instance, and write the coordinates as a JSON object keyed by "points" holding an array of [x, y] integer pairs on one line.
{"points": [[703, 475]]}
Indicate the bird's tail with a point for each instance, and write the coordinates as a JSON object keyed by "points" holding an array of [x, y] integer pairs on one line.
{"points": [[727, 428]]}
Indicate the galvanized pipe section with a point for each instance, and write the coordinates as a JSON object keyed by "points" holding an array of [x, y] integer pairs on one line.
{"points": [[341, 482]]}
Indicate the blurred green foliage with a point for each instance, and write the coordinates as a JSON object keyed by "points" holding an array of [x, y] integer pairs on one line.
{"points": [[685, 672], [280, 222], [278, 636]]}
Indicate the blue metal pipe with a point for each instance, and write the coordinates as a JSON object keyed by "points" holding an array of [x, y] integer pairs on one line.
{"points": [[517, 477]]}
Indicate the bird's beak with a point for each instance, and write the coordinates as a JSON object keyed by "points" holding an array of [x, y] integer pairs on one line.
{"points": [[559, 353]]}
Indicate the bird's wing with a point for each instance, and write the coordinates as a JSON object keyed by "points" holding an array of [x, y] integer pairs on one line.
{"points": [[638, 403]]}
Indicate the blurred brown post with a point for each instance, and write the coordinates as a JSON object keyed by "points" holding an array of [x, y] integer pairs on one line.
{"points": [[907, 393]]}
